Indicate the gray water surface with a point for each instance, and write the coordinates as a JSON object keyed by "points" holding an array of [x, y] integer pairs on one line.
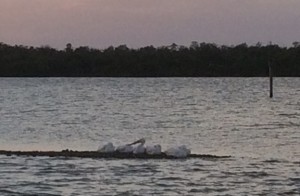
{"points": [[221, 116]]}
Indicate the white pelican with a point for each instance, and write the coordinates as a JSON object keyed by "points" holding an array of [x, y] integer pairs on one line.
{"points": [[178, 152], [140, 149], [152, 150], [125, 148], [107, 148]]}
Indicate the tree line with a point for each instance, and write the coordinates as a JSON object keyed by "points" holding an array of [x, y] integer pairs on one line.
{"points": [[197, 60]]}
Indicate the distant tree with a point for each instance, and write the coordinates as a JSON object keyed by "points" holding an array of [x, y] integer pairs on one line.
{"points": [[122, 48], [194, 45], [296, 44], [199, 59], [69, 47]]}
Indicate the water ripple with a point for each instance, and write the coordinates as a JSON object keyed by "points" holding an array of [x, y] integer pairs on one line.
{"points": [[222, 116]]}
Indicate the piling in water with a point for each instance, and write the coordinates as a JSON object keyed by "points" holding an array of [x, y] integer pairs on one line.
{"points": [[271, 79]]}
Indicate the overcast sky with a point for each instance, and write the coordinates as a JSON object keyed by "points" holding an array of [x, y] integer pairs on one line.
{"points": [[137, 23]]}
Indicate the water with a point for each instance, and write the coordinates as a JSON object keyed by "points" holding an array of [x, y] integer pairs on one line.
{"points": [[221, 116]]}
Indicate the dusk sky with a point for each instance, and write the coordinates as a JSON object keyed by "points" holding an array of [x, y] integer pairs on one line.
{"points": [[137, 23]]}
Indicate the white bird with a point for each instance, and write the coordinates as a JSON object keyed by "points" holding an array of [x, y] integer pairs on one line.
{"points": [[153, 150], [178, 152], [125, 149], [107, 148], [184, 148], [140, 149]]}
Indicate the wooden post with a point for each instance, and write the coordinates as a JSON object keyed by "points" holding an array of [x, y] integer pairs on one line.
{"points": [[271, 80]]}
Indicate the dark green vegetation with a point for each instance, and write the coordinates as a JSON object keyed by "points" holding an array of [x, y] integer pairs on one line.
{"points": [[200, 59]]}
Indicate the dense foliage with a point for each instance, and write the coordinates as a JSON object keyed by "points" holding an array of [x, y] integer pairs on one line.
{"points": [[199, 59]]}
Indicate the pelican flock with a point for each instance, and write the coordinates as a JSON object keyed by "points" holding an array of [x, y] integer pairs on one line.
{"points": [[138, 147]]}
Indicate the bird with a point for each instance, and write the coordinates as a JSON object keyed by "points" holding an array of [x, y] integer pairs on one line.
{"points": [[139, 149], [153, 150], [125, 148], [178, 152], [107, 148]]}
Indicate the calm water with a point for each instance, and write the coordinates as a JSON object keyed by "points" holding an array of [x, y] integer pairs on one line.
{"points": [[221, 116]]}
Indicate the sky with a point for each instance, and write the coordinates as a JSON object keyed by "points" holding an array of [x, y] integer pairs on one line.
{"points": [[138, 23]]}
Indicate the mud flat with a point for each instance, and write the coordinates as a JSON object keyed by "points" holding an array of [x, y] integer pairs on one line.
{"points": [[96, 154]]}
